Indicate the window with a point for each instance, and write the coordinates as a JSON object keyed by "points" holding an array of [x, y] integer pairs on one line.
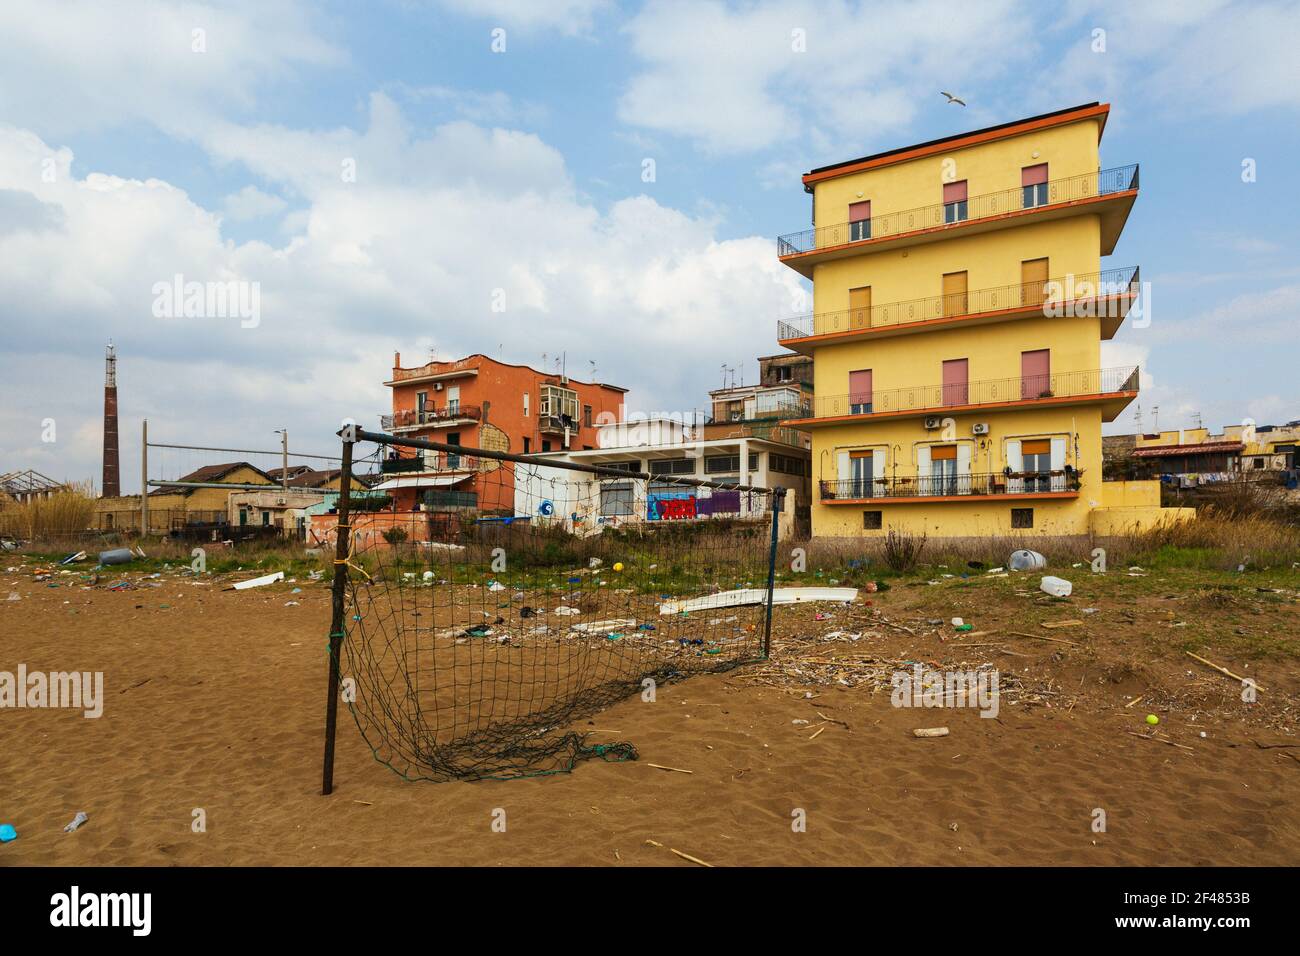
{"points": [[859, 221], [753, 462], [527, 445], [873, 520], [266, 518], [632, 465], [787, 464], [1033, 186], [525, 404], [860, 392], [1022, 517], [421, 399], [1036, 464], [721, 464], [954, 202], [586, 416], [616, 498], [546, 444], [673, 466], [561, 403], [783, 373]]}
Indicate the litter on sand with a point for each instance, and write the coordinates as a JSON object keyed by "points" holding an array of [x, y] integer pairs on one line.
{"points": [[759, 596], [257, 582], [77, 821], [1056, 587], [605, 627], [930, 732], [1025, 560]]}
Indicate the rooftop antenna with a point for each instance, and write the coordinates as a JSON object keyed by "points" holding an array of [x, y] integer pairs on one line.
{"points": [[1155, 418], [592, 363], [1196, 418]]}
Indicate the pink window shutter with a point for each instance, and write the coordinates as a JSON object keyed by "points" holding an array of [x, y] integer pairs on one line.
{"points": [[1033, 175], [860, 387], [859, 211], [954, 192]]}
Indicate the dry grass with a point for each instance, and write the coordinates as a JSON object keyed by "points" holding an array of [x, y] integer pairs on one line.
{"points": [[67, 512]]}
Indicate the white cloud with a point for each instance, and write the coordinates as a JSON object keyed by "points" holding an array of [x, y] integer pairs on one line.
{"points": [[570, 17], [251, 203], [77, 65], [731, 78]]}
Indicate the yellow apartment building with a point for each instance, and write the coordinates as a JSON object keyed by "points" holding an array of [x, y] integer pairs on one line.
{"points": [[960, 303]]}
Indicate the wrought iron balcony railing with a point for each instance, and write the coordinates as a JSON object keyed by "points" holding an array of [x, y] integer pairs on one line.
{"points": [[985, 392], [1056, 296], [887, 225], [415, 417], [943, 486]]}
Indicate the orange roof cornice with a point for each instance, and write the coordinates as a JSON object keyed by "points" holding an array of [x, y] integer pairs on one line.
{"points": [[1098, 112]]}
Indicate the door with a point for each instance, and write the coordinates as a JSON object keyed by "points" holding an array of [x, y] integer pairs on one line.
{"points": [[860, 392], [1036, 374], [955, 382], [453, 399], [954, 293], [1037, 464], [943, 471], [1033, 282], [862, 472], [860, 307]]}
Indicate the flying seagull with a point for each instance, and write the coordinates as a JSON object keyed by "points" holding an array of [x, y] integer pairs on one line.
{"points": [[951, 98]]}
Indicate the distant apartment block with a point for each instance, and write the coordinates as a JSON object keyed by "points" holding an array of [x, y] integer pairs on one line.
{"points": [[480, 402]]}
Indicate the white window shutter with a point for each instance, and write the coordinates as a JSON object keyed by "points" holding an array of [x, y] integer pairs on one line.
{"points": [[1016, 462], [1058, 454], [923, 461], [878, 463], [844, 467], [963, 468]]}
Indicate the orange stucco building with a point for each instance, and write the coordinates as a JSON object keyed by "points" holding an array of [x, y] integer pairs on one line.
{"points": [[479, 402]]}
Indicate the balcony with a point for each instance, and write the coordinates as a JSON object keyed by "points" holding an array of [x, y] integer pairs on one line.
{"points": [[1055, 484], [1113, 388], [1109, 193], [556, 424], [407, 419], [1107, 295], [434, 462]]}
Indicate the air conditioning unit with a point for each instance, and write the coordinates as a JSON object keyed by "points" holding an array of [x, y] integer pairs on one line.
{"points": [[437, 386], [933, 421], [980, 428]]}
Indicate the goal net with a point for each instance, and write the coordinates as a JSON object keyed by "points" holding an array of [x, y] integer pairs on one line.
{"points": [[494, 602]]}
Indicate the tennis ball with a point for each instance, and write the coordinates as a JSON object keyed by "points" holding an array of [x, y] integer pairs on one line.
{"points": [[618, 565], [1152, 719]]}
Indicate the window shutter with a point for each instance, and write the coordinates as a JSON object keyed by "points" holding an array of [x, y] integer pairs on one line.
{"points": [[923, 461], [1016, 462], [878, 463], [954, 192], [1058, 454], [1033, 175], [859, 211], [844, 467]]}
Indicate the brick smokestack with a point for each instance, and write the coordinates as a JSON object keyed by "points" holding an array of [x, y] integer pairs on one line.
{"points": [[112, 483]]}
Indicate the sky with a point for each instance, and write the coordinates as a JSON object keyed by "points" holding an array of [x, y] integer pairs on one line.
{"points": [[594, 180]]}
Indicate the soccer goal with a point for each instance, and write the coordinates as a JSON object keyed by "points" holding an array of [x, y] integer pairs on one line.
{"points": [[485, 603]]}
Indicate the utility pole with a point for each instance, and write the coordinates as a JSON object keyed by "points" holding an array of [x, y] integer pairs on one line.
{"points": [[144, 478], [284, 459]]}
